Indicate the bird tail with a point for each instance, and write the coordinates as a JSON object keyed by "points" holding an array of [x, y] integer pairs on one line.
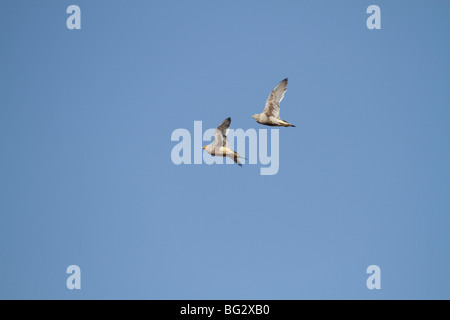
{"points": [[239, 156], [236, 159], [288, 124]]}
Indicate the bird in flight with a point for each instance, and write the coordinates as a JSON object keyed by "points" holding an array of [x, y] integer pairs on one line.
{"points": [[271, 114], [220, 147]]}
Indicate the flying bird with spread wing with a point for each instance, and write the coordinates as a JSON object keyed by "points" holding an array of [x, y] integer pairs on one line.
{"points": [[220, 147], [271, 114]]}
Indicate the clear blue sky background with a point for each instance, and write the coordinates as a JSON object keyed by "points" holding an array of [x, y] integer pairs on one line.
{"points": [[86, 176]]}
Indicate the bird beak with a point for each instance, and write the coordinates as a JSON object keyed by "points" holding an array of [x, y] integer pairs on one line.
{"points": [[203, 147]]}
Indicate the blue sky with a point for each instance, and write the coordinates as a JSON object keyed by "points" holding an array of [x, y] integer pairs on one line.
{"points": [[86, 176]]}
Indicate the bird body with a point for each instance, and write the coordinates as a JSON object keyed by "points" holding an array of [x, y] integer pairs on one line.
{"points": [[220, 147], [262, 118], [271, 114]]}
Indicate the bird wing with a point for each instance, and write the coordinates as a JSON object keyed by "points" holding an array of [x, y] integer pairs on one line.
{"points": [[220, 135], [273, 102]]}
